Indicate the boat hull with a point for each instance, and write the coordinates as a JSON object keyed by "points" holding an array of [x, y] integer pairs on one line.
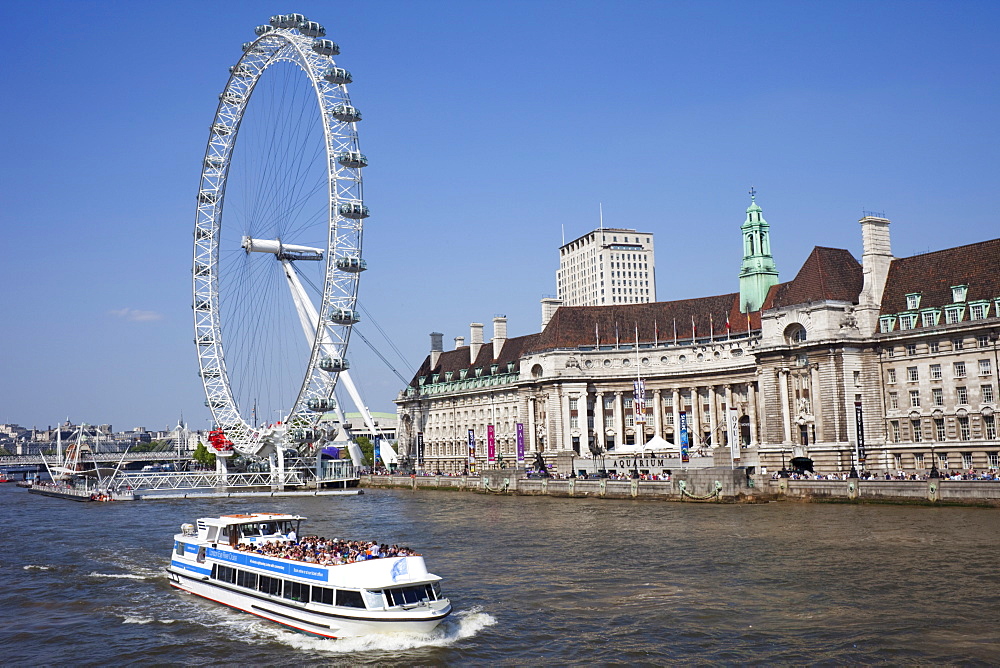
{"points": [[333, 624]]}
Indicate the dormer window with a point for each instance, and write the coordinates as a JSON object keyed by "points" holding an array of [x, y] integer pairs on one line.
{"points": [[886, 323], [979, 310], [463, 373], [448, 375], [913, 301], [930, 317], [958, 293], [953, 314], [907, 321]]}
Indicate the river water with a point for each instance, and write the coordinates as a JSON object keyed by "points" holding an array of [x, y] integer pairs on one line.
{"points": [[532, 579]]}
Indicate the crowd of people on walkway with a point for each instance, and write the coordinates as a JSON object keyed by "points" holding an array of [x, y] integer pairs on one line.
{"points": [[319, 550], [971, 474]]}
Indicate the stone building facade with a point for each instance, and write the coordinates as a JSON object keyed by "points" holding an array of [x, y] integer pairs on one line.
{"points": [[887, 364]]}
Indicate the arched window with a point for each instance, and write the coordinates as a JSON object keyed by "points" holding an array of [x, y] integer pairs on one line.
{"points": [[795, 333]]}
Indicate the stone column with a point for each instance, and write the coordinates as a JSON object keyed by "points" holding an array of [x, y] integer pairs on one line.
{"points": [[532, 444], [729, 405], [713, 417], [658, 413], [695, 422], [619, 420], [566, 442], [599, 419], [814, 400], [752, 412], [677, 416], [786, 418]]}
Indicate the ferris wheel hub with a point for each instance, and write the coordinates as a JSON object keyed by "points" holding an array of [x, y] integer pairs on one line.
{"points": [[283, 251]]}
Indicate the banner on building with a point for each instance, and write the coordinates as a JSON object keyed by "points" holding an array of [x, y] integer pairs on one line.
{"points": [[685, 445], [859, 418], [420, 448], [640, 401], [491, 443], [734, 435], [377, 453], [472, 451], [520, 442]]}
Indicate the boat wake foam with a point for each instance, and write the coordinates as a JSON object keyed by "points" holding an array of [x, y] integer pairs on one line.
{"points": [[146, 620], [126, 576], [36, 567], [459, 626]]}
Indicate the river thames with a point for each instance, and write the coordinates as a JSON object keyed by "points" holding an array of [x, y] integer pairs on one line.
{"points": [[532, 580]]}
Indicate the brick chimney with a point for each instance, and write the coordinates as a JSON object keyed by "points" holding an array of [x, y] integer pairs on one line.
{"points": [[499, 334], [475, 340], [437, 345], [459, 342]]}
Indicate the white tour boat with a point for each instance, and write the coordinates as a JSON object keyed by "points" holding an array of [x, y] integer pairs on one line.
{"points": [[257, 563]]}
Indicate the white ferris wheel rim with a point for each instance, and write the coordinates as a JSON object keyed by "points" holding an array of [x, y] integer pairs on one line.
{"points": [[343, 242]]}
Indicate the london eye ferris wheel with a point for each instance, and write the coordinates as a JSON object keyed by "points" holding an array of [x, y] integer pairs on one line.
{"points": [[278, 235]]}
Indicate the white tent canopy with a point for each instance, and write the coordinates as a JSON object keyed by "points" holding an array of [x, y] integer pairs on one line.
{"points": [[655, 444]]}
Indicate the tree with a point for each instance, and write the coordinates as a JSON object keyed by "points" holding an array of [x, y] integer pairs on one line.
{"points": [[367, 449], [204, 457]]}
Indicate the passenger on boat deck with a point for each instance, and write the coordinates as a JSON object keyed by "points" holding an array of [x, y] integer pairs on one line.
{"points": [[314, 549]]}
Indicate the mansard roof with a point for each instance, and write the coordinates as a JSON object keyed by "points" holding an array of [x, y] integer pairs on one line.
{"points": [[934, 274], [828, 274], [458, 359], [703, 317]]}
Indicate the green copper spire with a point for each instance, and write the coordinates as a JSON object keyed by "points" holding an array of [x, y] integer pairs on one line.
{"points": [[758, 272]]}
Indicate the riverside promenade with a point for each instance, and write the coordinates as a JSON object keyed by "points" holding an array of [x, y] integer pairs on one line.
{"points": [[712, 485]]}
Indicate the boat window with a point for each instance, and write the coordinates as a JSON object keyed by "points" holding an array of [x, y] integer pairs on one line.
{"points": [[213, 533], [296, 591], [224, 573], [179, 549], [251, 530], [246, 579], [436, 588], [322, 595], [408, 595], [269, 585], [373, 599], [350, 599], [201, 555]]}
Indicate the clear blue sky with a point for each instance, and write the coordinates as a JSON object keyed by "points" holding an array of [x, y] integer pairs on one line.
{"points": [[490, 126]]}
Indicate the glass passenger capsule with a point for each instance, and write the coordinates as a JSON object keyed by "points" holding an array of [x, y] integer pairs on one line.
{"points": [[214, 161], [202, 270], [346, 113], [333, 364], [221, 129], [205, 340], [240, 71], [202, 233], [231, 98], [338, 75], [311, 29], [321, 404], [276, 20], [353, 265], [208, 197], [202, 305], [263, 30], [326, 47], [305, 434], [354, 159], [344, 316], [353, 210], [215, 403], [211, 373]]}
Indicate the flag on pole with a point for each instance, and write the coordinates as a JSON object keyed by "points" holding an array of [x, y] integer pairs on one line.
{"points": [[597, 333], [656, 334], [727, 326], [617, 340], [694, 330], [711, 327], [675, 331]]}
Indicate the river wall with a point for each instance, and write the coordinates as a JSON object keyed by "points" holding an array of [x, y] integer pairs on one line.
{"points": [[712, 485]]}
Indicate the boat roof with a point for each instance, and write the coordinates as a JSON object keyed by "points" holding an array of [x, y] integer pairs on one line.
{"points": [[228, 520]]}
